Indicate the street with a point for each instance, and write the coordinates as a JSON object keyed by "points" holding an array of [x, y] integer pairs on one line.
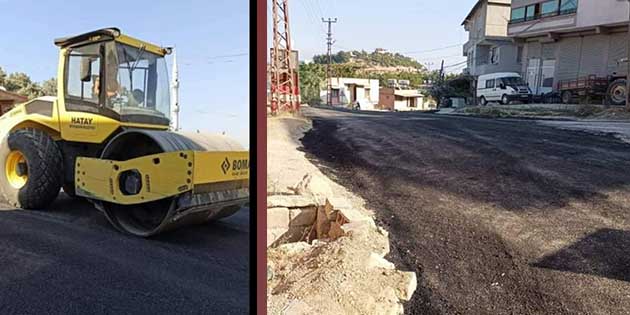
{"points": [[70, 260], [494, 216]]}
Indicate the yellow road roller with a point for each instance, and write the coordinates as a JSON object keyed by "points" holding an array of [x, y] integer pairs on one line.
{"points": [[105, 137]]}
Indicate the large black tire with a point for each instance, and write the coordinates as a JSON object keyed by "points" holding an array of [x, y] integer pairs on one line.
{"points": [[44, 169], [616, 93], [483, 101], [505, 100]]}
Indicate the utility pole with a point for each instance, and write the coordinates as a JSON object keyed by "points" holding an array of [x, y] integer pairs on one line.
{"points": [[442, 72], [283, 72], [329, 42]]}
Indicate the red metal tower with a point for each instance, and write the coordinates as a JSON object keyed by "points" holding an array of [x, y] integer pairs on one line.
{"points": [[283, 71]]}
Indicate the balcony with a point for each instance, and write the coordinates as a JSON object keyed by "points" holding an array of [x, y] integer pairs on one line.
{"points": [[542, 16]]}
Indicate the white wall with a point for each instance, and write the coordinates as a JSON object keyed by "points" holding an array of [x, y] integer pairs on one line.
{"points": [[597, 12]]}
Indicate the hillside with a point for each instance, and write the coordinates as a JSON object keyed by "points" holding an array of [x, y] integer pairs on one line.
{"points": [[379, 61]]}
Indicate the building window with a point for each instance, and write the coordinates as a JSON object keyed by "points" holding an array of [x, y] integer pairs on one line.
{"points": [[542, 10], [367, 94], [494, 55], [518, 15], [568, 6], [550, 8], [490, 84], [531, 12], [519, 54]]}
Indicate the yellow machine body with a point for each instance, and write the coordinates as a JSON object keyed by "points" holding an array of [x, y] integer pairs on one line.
{"points": [[183, 180], [163, 175]]}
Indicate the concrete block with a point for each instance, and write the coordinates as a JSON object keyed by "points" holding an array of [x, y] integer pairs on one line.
{"points": [[339, 202], [278, 218], [354, 215], [318, 186], [407, 285], [302, 216], [359, 226], [289, 201], [376, 261]]}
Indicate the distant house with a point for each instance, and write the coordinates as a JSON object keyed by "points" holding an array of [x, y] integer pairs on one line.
{"points": [[348, 92], [489, 48], [404, 100], [9, 99]]}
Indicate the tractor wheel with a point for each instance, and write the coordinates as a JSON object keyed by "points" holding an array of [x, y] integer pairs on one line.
{"points": [[566, 97], [33, 169], [617, 92]]}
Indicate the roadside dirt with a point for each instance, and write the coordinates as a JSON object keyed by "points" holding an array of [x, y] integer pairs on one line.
{"points": [[347, 275], [496, 217]]}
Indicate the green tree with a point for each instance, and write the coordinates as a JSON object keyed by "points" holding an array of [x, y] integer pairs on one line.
{"points": [[49, 87], [3, 77], [22, 84], [312, 80]]}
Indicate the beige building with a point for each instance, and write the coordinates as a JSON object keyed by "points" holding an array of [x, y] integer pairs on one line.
{"points": [[404, 100], [568, 39], [489, 48]]}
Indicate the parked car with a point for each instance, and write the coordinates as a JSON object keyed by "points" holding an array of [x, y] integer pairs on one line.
{"points": [[503, 87]]}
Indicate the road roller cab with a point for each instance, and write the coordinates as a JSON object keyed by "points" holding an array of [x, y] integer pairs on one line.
{"points": [[105, 137]]}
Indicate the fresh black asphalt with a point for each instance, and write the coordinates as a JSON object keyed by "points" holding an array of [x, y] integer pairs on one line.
{"points": [[69, 260]]}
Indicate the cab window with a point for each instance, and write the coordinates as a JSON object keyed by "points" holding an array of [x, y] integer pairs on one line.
{"points": [[83, 74]]}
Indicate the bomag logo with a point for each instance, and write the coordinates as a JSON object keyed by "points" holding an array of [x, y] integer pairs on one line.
{"points": [[237, 167], [82, 123]]}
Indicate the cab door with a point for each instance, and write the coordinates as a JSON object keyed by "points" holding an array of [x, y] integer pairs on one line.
{"points": [[83, 116]]}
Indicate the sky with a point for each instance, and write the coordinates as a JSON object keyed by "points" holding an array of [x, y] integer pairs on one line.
{"points": [[211, 38], [412, 27]]}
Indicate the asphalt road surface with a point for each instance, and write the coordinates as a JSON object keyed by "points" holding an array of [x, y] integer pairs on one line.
{"points": [[495, 216], [69, 260]]}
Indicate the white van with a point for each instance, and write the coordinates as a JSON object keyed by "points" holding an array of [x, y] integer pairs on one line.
{"points": [[503, 87]]}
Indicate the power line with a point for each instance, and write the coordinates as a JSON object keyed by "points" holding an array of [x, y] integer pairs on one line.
{"points": [[229, 56], [431, 50]]}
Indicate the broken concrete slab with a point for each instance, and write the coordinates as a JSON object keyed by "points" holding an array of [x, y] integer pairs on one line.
{"points": [[278, 218], [376, 261], [407, 285], [302, 216], [290, 201]]}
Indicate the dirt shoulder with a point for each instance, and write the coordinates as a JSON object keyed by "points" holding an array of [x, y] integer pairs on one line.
{"points": [[546, 111], [325, 254]]}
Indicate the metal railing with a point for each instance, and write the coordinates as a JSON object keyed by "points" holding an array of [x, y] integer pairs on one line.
{"points": [[543, 15]]}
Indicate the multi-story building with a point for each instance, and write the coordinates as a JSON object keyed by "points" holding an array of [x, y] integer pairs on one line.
{"points": [[568, 39], [489, 48]]}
